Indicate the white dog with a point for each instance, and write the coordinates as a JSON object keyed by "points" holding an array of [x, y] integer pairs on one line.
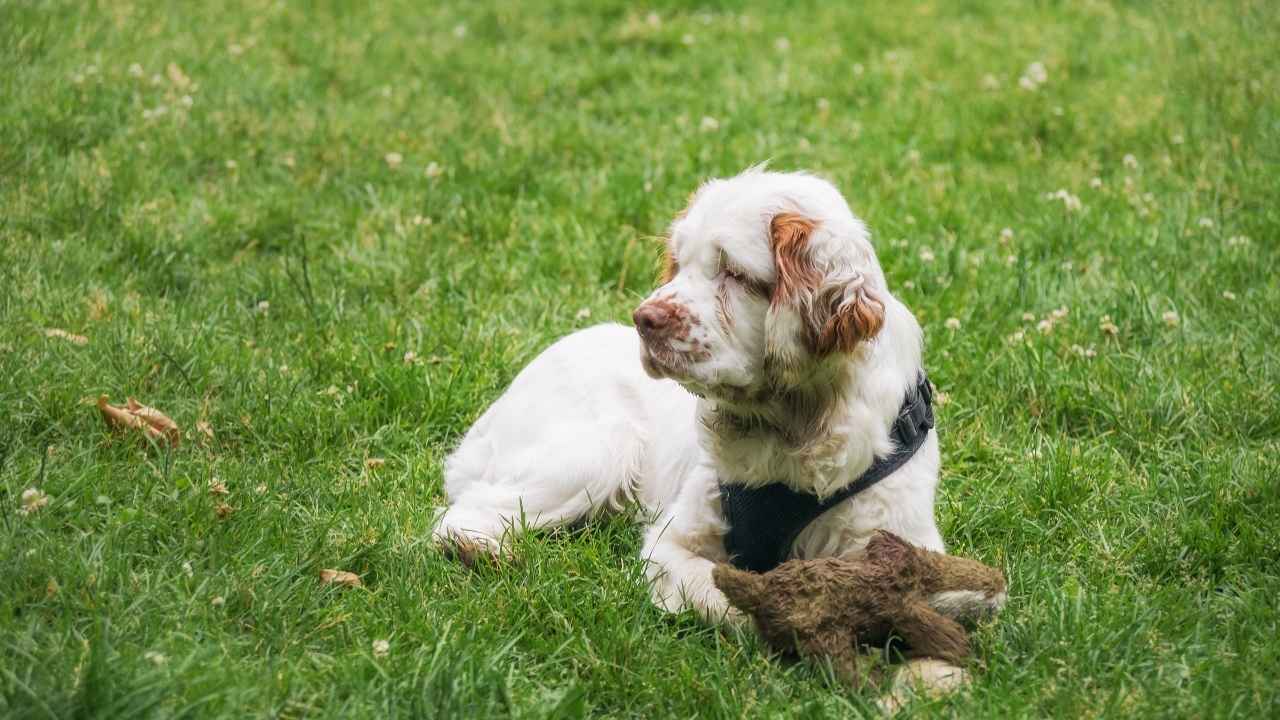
{"points": [[772, 354]]}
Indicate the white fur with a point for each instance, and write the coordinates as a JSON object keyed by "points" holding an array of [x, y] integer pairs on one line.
{"points": [[600, 419]]}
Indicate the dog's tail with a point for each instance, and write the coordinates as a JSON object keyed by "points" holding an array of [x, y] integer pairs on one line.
{"points": [[745, 590]]}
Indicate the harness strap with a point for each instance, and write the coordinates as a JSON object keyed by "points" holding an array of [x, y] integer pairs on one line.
{"points": [[764, 522]]}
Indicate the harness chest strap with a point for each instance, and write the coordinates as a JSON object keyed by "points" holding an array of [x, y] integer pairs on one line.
{"points": [[765, 521]]}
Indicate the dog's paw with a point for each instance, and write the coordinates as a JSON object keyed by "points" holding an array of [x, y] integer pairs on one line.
{"points": [[468, 548], [923, 678]]}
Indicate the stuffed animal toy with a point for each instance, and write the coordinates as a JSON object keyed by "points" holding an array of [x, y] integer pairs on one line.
{"points": [[826, 608]]}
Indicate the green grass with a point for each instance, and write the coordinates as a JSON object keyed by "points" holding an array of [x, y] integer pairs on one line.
{"points": [[249, 258]]}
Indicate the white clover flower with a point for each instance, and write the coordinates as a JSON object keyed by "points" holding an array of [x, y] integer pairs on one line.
{"points": [[1095, 183], [1016, 337], [858, 69], [708, 124], [823, 105], [460, 31], [433, 170], [1108, 327], [32, 500], [1026, 83], [232, 164], [926, 255], [1045, 326], [952, 323], [1037, 72], [1228, 295], [1237, 241], [393, 159], [1028, 317], [909, 285], [1070, 203], [155, 658], [218, 601], [1205, 222], [381, 648], [1006, 236], [1130, 161], [1171, 318], [1177, 139], [135, 70]]}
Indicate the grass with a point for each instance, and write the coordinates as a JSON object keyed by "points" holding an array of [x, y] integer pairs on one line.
{"points": [[208, 193]]}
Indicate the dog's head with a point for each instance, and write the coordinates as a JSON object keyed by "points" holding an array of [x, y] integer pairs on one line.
{"points": [[768, 275]]}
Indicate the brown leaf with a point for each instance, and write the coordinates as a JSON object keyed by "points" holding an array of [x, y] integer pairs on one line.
{"points": [[69, 337], [151, 422], [340, 577], [374, 463], [118, 418], [160, 425]]}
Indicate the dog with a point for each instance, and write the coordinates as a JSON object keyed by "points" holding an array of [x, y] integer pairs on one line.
{"points": [[771, 354]]}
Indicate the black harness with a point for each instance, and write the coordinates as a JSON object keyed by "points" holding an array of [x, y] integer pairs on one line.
{"points": [[765, 521]]}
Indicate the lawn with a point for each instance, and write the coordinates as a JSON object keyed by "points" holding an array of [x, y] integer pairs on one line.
{"points": [[323, 236]]}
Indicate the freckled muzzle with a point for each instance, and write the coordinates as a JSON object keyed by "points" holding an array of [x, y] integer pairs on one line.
{"points": [[666, 332], [660, 321]]}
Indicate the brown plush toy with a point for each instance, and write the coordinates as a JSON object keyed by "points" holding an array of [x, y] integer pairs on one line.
{"points": [[828, 607]]}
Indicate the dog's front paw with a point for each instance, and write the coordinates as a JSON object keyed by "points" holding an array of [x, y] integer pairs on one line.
{"points": [[923, 677]]}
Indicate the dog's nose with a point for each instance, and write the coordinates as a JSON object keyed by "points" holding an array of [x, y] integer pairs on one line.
{"points": [[651, 320]]}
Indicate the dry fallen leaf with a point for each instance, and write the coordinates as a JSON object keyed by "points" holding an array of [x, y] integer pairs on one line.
{"points": [[374, 463], [162, 424], [135, 416], [340, 577], [69, 337]]}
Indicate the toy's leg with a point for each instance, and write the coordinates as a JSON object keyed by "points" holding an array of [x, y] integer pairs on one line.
{"points": [[840, 648], [929, 634]]}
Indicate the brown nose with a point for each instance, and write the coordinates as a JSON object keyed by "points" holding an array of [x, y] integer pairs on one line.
{"points": [[652, 320]]}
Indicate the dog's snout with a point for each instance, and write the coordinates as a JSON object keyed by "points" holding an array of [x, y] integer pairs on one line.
{"points": [[652, 320]]}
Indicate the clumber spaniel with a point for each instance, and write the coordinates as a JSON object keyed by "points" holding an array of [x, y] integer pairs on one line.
{"points": [[772, 353]]}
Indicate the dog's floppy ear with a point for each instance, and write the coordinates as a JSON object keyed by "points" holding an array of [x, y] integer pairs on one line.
{"points": [[854, 312], [797, 278], [839, 308]]}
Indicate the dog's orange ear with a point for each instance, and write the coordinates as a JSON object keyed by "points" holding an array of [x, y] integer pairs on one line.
{"points": [[841, 311], [856, 314], [789, 236]]}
